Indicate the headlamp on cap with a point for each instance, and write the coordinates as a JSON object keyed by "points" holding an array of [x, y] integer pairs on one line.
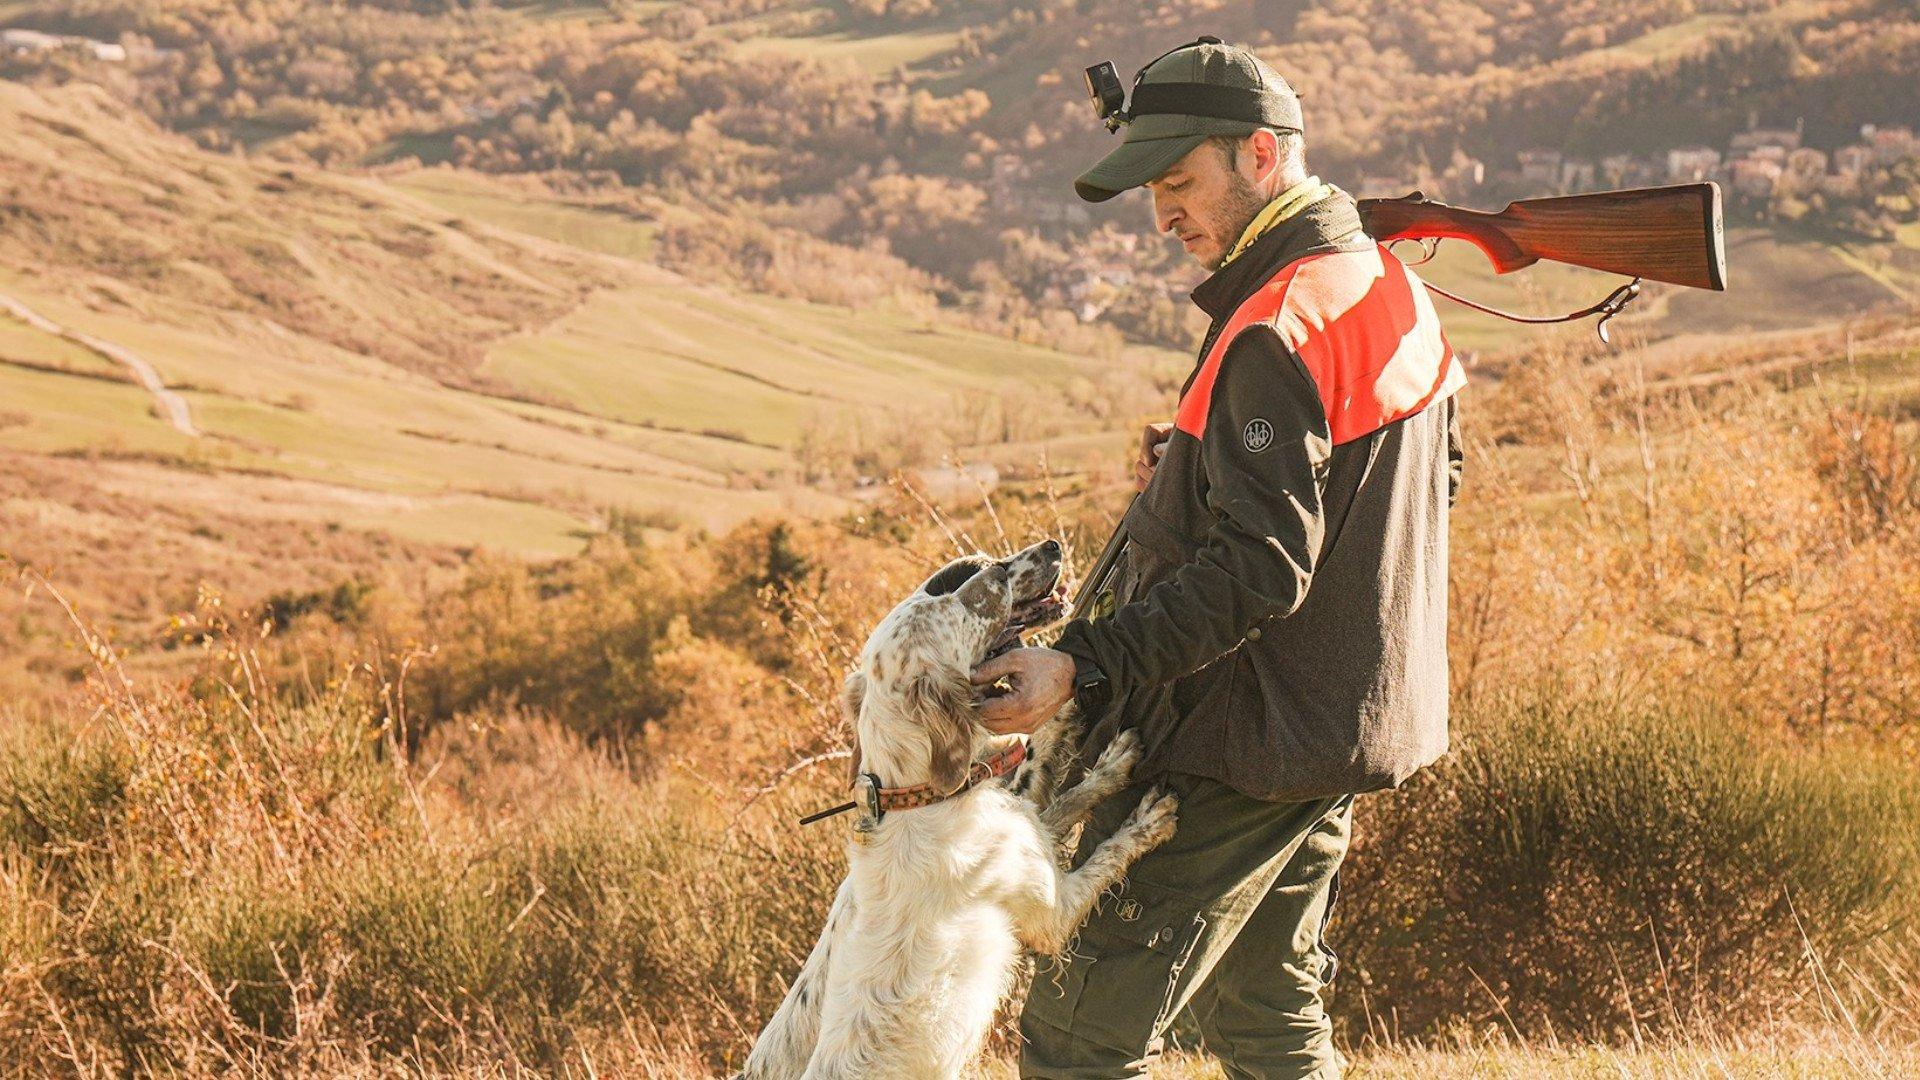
{"points": [[1264, 106], [1109, 97]]}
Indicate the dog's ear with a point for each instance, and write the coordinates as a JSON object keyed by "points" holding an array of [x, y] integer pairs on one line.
{"points": [[852, 693], [954, 574], [986, 592], [941, 703]]}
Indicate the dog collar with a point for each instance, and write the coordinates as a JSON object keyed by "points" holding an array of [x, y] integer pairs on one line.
{"points": [[877, 800]]}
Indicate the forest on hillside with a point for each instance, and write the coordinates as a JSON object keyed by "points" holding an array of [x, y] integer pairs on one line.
{"points": [[946, 170]]}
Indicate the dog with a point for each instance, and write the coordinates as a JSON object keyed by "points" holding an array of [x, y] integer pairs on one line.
{"points": [[924, 935]]}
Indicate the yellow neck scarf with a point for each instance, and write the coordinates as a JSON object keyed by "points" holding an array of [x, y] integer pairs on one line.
{"points": [[1284, 205]]}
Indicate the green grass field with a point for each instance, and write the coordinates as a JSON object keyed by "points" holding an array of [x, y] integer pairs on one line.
{"points": [[26, 346], [876, 53], [698, 359], [603, 231], [1672, 40], [682, 357], [67, 413]]}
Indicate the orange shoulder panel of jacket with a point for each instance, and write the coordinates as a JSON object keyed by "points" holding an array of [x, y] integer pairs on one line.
{"points": [[1364, 326]]}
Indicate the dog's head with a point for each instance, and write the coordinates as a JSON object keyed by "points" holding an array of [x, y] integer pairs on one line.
{"points": [[910, 699]]}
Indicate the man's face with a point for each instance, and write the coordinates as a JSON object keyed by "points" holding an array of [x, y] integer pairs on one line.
{"points": [[1207, 199]]}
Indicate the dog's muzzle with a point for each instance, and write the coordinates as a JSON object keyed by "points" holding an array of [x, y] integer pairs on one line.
{"points": [[1028, 615]]}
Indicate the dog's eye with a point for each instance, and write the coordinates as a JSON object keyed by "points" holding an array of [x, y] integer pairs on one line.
{"points": [[951, 576]]}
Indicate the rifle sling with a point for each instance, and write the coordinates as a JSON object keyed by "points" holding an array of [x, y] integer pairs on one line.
{"points": [[1615, 302]]}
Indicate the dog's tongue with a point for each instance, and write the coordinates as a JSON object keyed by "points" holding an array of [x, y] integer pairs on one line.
{"points": [[1042, 611]]}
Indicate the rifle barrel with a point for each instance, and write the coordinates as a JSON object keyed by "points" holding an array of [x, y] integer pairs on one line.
{"points": [[1096, 579]]}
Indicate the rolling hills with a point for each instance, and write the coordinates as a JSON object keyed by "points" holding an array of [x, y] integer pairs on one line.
{"points": [[452, 360]]}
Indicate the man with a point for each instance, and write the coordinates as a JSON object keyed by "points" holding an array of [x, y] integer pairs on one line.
{"points": [[1277, 629]]}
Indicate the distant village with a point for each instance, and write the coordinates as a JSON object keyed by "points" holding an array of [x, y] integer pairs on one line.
{"points": [[1766, 172], [15, 40], [1866, 187]]}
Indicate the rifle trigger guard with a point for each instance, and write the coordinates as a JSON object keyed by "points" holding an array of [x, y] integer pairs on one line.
{"points": [[1429, 247]]}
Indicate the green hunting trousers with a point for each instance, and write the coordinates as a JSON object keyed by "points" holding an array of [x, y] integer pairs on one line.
{"points": [[1223, 923]]}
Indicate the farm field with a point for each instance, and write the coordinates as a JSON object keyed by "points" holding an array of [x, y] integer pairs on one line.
{"points": [[623, 386], [755, 368]]}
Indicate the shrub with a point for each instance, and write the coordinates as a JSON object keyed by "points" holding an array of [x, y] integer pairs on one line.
{"points": [[268, 881], [1588, 869]]}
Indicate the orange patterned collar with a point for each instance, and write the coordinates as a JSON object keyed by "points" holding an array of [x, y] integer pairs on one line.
{"points": [[877, 800], [909, 798]]}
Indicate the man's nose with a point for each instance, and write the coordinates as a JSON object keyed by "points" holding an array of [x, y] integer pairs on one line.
{"points": [[1165, 214]]}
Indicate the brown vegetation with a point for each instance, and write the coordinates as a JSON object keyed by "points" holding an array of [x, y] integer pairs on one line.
{"points": [[961, 159], [542, 815]]}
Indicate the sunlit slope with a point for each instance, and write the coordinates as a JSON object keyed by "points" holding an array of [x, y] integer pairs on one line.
{"points": [[322, 329], [501, 366], [752, 368], [662, 351]]}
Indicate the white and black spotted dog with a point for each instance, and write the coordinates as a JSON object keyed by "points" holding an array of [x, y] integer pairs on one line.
{"points": [[923, 938]]}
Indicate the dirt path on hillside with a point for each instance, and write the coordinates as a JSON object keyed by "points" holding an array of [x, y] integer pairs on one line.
{"points": [[172, 406]]}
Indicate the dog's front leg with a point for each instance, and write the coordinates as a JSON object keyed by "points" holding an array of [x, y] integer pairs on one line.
{"points": [[782, 1050], [1048, 921], [1105, 780]]}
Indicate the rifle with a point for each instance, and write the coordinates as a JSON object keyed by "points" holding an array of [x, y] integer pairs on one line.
{"points": [[1671, 234]]}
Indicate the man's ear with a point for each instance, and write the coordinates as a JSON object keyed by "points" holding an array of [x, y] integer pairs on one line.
{"points": [[852, 693], [942, 704], [1265, 156]]}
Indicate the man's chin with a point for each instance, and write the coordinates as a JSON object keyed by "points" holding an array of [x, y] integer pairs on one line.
{"points": [[1209, 257]]}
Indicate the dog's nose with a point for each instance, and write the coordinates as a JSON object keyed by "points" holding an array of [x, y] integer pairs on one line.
{"points": [[1051, 547]]}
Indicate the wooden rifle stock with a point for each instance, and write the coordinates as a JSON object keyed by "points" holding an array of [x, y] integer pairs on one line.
{"points": [[1671, 234]]}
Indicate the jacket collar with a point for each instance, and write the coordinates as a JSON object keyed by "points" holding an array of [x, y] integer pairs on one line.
{"points": [[1329, 223]]}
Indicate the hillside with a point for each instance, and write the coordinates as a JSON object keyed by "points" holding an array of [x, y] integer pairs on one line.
{"points": [[373, 377], [925, 148]]}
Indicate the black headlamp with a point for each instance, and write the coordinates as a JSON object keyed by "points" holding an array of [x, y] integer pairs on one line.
{"points": [[1109, 97], [1262, 106]]}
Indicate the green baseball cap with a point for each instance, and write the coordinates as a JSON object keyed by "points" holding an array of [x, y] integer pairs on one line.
{"points": [[1199, 89]]}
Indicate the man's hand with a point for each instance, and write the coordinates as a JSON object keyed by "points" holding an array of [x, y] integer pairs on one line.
{"points": [[1153, 444], [1042, 682]]}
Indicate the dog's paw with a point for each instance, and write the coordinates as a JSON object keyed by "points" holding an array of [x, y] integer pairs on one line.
{"points": [[1154, 819], [1120, 756]]}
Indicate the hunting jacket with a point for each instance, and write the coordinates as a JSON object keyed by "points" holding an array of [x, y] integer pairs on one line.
{"points": [[1278, 622]]}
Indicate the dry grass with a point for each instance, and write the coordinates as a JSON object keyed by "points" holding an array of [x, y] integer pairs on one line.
{"points": [[537, 820]]}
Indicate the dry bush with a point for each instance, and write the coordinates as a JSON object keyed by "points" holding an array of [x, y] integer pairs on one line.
{"points": [[552, 820], [1608, 874], [1745, 543], [254, 880]]}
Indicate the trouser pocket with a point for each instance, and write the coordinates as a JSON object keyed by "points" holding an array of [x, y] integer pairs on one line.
{"points": [[1120, 983]]}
